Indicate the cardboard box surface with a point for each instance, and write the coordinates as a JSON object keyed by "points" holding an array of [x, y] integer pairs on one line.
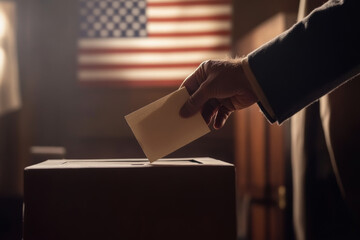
{"points": [[130, 199]]}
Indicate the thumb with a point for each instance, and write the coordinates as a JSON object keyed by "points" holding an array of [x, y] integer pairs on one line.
{"points": [[194, 103]]}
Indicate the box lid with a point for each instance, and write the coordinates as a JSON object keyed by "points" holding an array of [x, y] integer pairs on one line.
{"points": [[128, 163]]}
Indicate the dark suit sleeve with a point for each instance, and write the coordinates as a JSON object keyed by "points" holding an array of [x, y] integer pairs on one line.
{"points": [[310, 59]]}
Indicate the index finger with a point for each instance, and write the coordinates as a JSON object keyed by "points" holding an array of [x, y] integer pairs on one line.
{"points": [[195, 79]]}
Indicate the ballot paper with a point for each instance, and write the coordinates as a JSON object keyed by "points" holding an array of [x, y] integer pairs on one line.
{"points": [[160, 129]]}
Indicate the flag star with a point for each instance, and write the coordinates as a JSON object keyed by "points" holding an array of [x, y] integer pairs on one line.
{"points": [[122, 11], [83, 26], [129, 18], [116, 19], [97, 26], [115, 4], [103, 18], [103, 4], [142, 19], [135, 25], [96, 11], [128, 4], [142, 33], [129, 33], [110, 26], [90, 18], [117, 33], [142, 4], [104, 33], [109, 11], [91, 33], [135, 11], [90, 4], [123, 26]]}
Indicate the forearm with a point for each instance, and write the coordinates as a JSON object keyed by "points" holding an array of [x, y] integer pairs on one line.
{"points": [[309, 60]]}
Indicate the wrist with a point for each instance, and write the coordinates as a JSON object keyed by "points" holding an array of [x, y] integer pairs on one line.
{"points": [[246, 81]]}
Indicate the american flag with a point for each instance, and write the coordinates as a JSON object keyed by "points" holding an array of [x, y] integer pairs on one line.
{"points": [[150, 42]]}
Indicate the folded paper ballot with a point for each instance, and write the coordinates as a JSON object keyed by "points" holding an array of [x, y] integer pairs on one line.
{"points": [[160, 129]]}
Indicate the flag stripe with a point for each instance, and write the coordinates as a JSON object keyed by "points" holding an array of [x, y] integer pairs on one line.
{"points": [[138, 83], [187, 34], [131, 75], [185, 3], [189, 18], [188, 27], [174, 1], [135, 66], [147, 58], [154, 42], [150, 50], [191, 11]]}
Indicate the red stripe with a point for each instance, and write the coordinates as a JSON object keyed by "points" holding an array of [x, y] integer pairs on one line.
{"points": [[131, 83], [186, 19], [151, 50], [135, 66], [187, 3], [188, 34]]}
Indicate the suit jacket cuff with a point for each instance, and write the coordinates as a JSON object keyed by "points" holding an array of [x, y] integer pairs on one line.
{"points": [[263, 102]]}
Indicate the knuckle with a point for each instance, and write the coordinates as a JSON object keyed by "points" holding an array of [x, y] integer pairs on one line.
{"points": [[191, 102], [206, 65]]}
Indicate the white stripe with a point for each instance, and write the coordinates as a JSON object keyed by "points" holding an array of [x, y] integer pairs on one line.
{"points": [[177, 42], [138, 74], [145, 58], [174, 1], [174, 27], [188, 11]]}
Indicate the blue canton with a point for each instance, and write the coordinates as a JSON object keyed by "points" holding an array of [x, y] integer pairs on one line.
{"points": [[113, 18]]}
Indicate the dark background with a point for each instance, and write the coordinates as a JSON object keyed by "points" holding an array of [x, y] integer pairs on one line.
{"points": [[88, 121]]}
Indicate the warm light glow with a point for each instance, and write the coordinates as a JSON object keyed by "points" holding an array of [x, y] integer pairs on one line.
{"points": [[2, 63], [2, 52], [2, 24]]}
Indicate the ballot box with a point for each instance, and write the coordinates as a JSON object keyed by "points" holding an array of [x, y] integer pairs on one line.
{"points": [[130, 199]]}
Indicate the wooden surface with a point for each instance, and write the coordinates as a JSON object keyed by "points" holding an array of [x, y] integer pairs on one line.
{"points": [[262, 151]]}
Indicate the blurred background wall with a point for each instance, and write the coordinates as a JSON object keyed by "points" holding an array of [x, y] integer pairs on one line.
{"points": [[88, 121]]}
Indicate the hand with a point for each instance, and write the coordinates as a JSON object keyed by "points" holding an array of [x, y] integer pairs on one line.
{"points": [[217, 88]]}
